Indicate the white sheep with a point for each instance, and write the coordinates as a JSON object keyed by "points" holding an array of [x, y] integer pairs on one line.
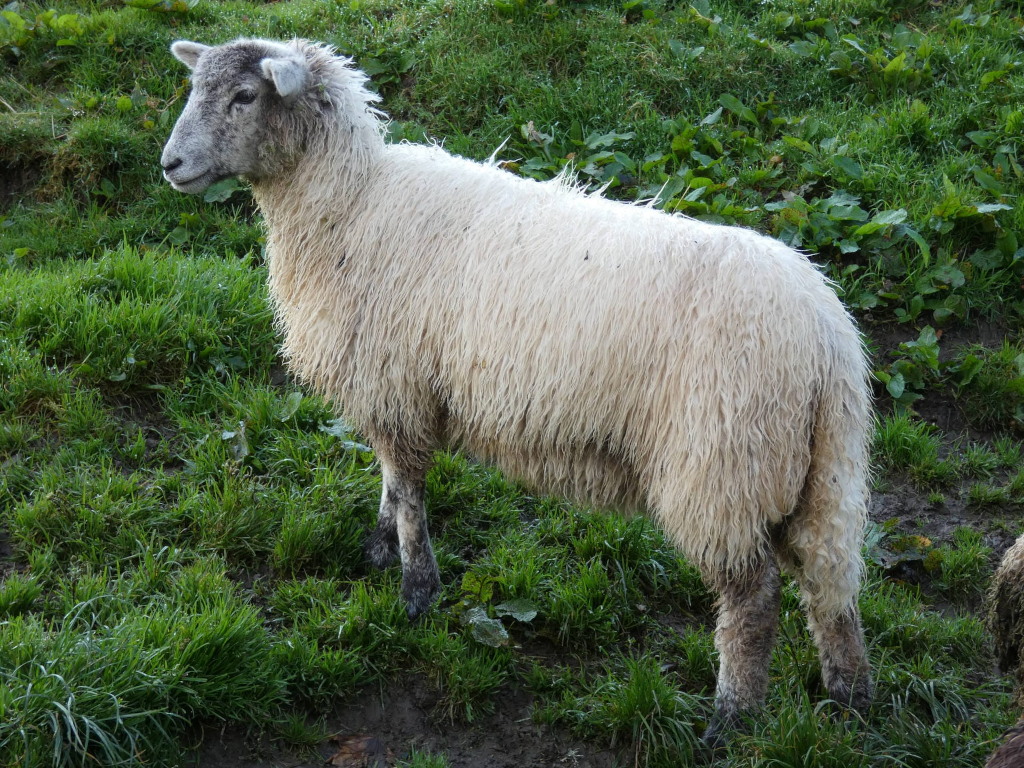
{"points": [[611, 353]]}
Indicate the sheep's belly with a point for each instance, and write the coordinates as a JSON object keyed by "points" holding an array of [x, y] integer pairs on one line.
{"points": [[588, 474]]}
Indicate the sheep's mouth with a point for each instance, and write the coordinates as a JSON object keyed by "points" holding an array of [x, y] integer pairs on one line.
{"points": [[194, 185]]}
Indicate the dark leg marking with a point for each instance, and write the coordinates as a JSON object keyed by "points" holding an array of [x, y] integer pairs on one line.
{"points": [[402, 529], [421, 581], [748, 622], [844, 659], [381, 546]]}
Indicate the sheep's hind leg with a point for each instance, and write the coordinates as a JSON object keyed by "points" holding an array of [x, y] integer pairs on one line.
{"points": [[829, 578], [403, 511], [821, 547], [748, 621], [844, 661]]}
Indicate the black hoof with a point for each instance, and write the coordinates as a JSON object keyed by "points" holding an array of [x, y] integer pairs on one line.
{"points": [[856, 697], [721, 728], [716, 735], [420, 590]]}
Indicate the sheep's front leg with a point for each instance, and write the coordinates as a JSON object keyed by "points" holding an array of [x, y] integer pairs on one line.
{"points": [[748, 620], [403, 517]]}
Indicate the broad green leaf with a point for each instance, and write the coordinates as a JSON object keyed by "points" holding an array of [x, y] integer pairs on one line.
{"points": [[519, 609], [800, 144], [868, 300], [237, 442], [803, 48], [850, 167], [683, 51], [949, 274], [847, 213], [896, 386], [894, 68], [891, 217], [485, 629], [221, 191], [600, 141], [713, 118], [290, 406], [13, 19], [968, 368], [982, 138], [737, 107], [987, 258], [480, 588], [338, 428], [989, 182], [913, 234], [992, 207], [881, 220], [840, 62], [853, 42], [1007, 243]]}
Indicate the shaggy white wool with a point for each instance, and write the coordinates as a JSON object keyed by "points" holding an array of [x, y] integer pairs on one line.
{"points": [[611, 353]]}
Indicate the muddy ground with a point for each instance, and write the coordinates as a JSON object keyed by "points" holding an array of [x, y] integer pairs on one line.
{"points": [[383, 725]]}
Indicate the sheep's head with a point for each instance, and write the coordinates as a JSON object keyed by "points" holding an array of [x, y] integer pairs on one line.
{"points": [[232, 125]]}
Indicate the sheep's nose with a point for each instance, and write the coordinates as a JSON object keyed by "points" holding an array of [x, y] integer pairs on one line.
{"points": [[171, 165]]}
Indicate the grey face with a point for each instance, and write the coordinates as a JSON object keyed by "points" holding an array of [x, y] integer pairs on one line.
{"points": [[226, 127]]}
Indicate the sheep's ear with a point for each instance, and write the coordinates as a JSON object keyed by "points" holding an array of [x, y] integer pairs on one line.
{"points": [[187, 52], [289, 76]]}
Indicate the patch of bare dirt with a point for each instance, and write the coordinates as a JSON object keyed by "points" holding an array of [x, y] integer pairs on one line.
{"points": [[910, 517], [908, 509], [7, 563], [916, 515], [382, 726], [15, 182]]}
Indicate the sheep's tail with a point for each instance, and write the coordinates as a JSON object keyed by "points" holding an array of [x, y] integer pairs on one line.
{"points": [[824, 538]]}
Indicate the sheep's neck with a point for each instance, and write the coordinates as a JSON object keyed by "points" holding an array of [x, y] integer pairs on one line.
{"points": [[308, 206], [321, 182]]}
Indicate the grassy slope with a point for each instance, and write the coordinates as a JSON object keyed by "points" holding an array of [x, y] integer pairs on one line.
{"points": [[186, 525]]}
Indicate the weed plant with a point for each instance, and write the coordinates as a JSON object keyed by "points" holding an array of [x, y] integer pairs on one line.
{"points": [[181, 525]]}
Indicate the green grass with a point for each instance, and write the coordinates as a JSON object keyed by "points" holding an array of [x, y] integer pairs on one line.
{"points": [[187, 524], [634, 704]]}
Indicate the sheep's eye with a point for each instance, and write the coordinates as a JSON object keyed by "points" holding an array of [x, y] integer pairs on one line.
{"points": [[243, 97]]}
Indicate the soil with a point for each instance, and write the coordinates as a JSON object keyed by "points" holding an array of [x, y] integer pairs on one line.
{"points": [[384, 725], [7, 562], [16, 182], [900, 500], [912, 514]]}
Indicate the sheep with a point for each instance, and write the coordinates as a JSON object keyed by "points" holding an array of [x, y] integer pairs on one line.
{"points": [[1005, 619], [610, 353]]}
